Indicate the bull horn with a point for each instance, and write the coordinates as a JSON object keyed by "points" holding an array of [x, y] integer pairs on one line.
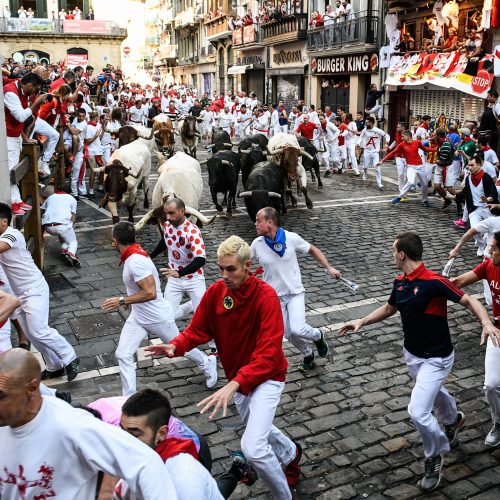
{"points": [[275, 151], [135, 176], [272, 194], [204, 162], [197, 135], [227, 144], [148, 138], [156, 132], [209, 146], [98, 170], [175, 132], [195, 213], [245, 151], [245, 194], [306, 154], [225, 162], [144, 220]]}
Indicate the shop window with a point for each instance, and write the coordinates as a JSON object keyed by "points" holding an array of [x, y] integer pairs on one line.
{"points": [[335, 92]]}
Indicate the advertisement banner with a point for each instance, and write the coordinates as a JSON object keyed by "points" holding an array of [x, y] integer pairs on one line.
{"points": [[451, 70], [87, 27], [73, 60]]}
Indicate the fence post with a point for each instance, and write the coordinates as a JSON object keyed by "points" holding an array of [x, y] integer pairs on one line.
{"points": [[30, 192]]}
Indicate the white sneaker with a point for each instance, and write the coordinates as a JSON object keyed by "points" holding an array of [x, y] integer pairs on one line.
{"points": [[364, 176], [493, 437], [480, 252], [43, 166], [211, 371]]}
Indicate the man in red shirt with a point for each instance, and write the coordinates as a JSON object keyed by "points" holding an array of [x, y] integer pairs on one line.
{"points": [[306, 128], [489, 270], [243, 315]]}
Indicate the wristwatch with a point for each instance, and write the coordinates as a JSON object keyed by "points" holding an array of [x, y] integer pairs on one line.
{"points": [[121, 301]]}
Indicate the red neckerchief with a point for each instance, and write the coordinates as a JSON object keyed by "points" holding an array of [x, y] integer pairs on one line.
{"points": [[486, 148], [477, 177], [323, 126], [94, 124], [131, 250], [329, 113], [424, 125], [172, 447]]}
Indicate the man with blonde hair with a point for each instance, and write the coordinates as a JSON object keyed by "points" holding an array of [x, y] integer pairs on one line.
{"points": [[242, 314]]}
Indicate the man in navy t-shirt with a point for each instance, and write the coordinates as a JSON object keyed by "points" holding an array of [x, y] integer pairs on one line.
{"points": [[420, 295]]}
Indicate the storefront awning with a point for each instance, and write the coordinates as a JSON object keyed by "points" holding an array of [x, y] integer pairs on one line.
{"points": [[285, 71], [239, 70]]}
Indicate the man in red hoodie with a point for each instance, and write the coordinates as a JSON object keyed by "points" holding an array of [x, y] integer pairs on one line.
{"points": [[243, 315]]}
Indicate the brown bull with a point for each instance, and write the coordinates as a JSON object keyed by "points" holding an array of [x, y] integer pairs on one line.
{"points": [[128, 134], [164, 134], [189, 135]]}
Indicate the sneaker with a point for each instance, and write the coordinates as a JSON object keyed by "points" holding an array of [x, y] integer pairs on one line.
{"points": [[16, 209], [364, 176], [459, 223], [322, 346], [452, 430], [43, 167], [64, 395], [244, 470], [46, 375], [381, 188], [446, 204], [211, 372], [493, 437], [480, 252], [432, 474], [72, 259], [413, 188], [395, 200], [307, 364], [426, 204], [72, 369], [25, 206], [292, 470]]}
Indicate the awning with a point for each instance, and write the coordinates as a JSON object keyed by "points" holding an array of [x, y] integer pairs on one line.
{"points": [[285, 71], [239, 70]]}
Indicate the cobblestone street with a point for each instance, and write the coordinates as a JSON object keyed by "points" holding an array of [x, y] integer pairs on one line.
{"points": [[350, 413]]}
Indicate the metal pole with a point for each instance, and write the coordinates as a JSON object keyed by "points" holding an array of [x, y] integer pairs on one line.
{"points": [[4, 160]]}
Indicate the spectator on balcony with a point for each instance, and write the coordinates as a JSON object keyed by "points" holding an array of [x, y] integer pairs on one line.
{"points": [[316, 20], [29, 13], [77, 13], [6, 12], [247, 20], [90, 15], [472, 45], [329, 21], [450, 43], [70, 16], [21, 13], [406, 46], [62, 15], [349, 20]]}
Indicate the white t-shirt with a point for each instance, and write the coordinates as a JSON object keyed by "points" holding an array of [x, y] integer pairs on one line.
{"points": [[136, 114], [488, 227], [82, 127], [59, 207], [184, 243], [95, 148], [370, 139], [136, 268], [18, 264], [61, 451], [491, 156], [282, 273], [489, 169]]}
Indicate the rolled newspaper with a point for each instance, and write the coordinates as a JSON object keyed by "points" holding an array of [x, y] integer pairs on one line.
{"points": [[447, 268], [350, 284]]}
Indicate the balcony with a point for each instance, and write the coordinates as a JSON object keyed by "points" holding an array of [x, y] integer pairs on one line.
{"points": [[247, 37], [188, 17], [41, 26], [362, 30], [287, 29], [217, 28], [167, 53]]}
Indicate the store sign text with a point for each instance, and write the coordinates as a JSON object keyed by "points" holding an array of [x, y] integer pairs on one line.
{"points": [[345, 64], [288, 56]]}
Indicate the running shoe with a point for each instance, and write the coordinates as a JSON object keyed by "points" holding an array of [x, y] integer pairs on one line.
{"points": [[452, 430], [493, 437], [364, 175], [16, 209], [46, 375], [292, 470], [395, 200], [25, 206], [381, 188], [307, 364], [446, 204], [322, 346], [432, 474], [211, 372], [72, 369], [72, 259], [459, 223], [240, 467]]}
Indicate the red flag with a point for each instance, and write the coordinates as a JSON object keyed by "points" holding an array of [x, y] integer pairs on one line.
{"points": [[495, 13]]}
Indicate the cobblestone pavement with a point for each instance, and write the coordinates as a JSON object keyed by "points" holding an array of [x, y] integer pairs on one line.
{"points": [[350, 413]]}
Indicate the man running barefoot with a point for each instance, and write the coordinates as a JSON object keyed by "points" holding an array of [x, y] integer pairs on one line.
{"points": [[420, 295], [243, 315], [276, 251]]}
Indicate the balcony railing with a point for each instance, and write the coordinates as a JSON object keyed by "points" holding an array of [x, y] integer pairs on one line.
{"points": [[247, 35], [363, 29], [67, 27], [218, 28], [288, 28]]}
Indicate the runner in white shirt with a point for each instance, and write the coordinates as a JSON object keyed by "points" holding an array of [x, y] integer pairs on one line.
{"points": [[50, 449], [58, 219], [260, 122], [78, 129], [93, 136], [136, 113], [30, 287], [243, 120], [151, 313], [329, 134], [350, 142], [5, 325], [207, 118], [107, 141], [276, 251], [274, 127], [370, 140], [184, 106], [225, 120]]}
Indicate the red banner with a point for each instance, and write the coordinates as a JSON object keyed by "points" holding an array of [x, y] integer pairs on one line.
{"points": [[73, 60], [92, 27]]}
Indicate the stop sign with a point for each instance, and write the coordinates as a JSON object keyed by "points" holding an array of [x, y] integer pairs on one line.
{"points": [[126, 50], [481, 82]]}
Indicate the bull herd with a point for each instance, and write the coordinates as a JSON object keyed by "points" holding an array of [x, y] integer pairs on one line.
{"points": [[270, 169]]}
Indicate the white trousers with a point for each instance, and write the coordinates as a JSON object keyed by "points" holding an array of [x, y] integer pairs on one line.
{"points": [[332, 155], [177, 287], [42, 127], [428, 395], [401, 168], [76, 185], [377, 110], [492, 379], [5, 332], [56, 351], [351, 155], [480, 214], [263, 444], [370, 159], [132, 334], [106, 153], [66, 235], [242, 130], [14, 147], [297, 331], [412, 172]]}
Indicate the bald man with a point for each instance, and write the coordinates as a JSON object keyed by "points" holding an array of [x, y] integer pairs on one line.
{"points": [[50, 449]]}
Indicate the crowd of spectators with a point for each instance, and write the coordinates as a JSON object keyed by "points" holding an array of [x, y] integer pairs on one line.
{"points": [[75, 14]]}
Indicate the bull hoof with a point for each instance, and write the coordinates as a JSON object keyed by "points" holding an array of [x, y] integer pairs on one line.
{"points": [[116, 219], [146, 203], [219, 208], [309, 204], [320, 185]]}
